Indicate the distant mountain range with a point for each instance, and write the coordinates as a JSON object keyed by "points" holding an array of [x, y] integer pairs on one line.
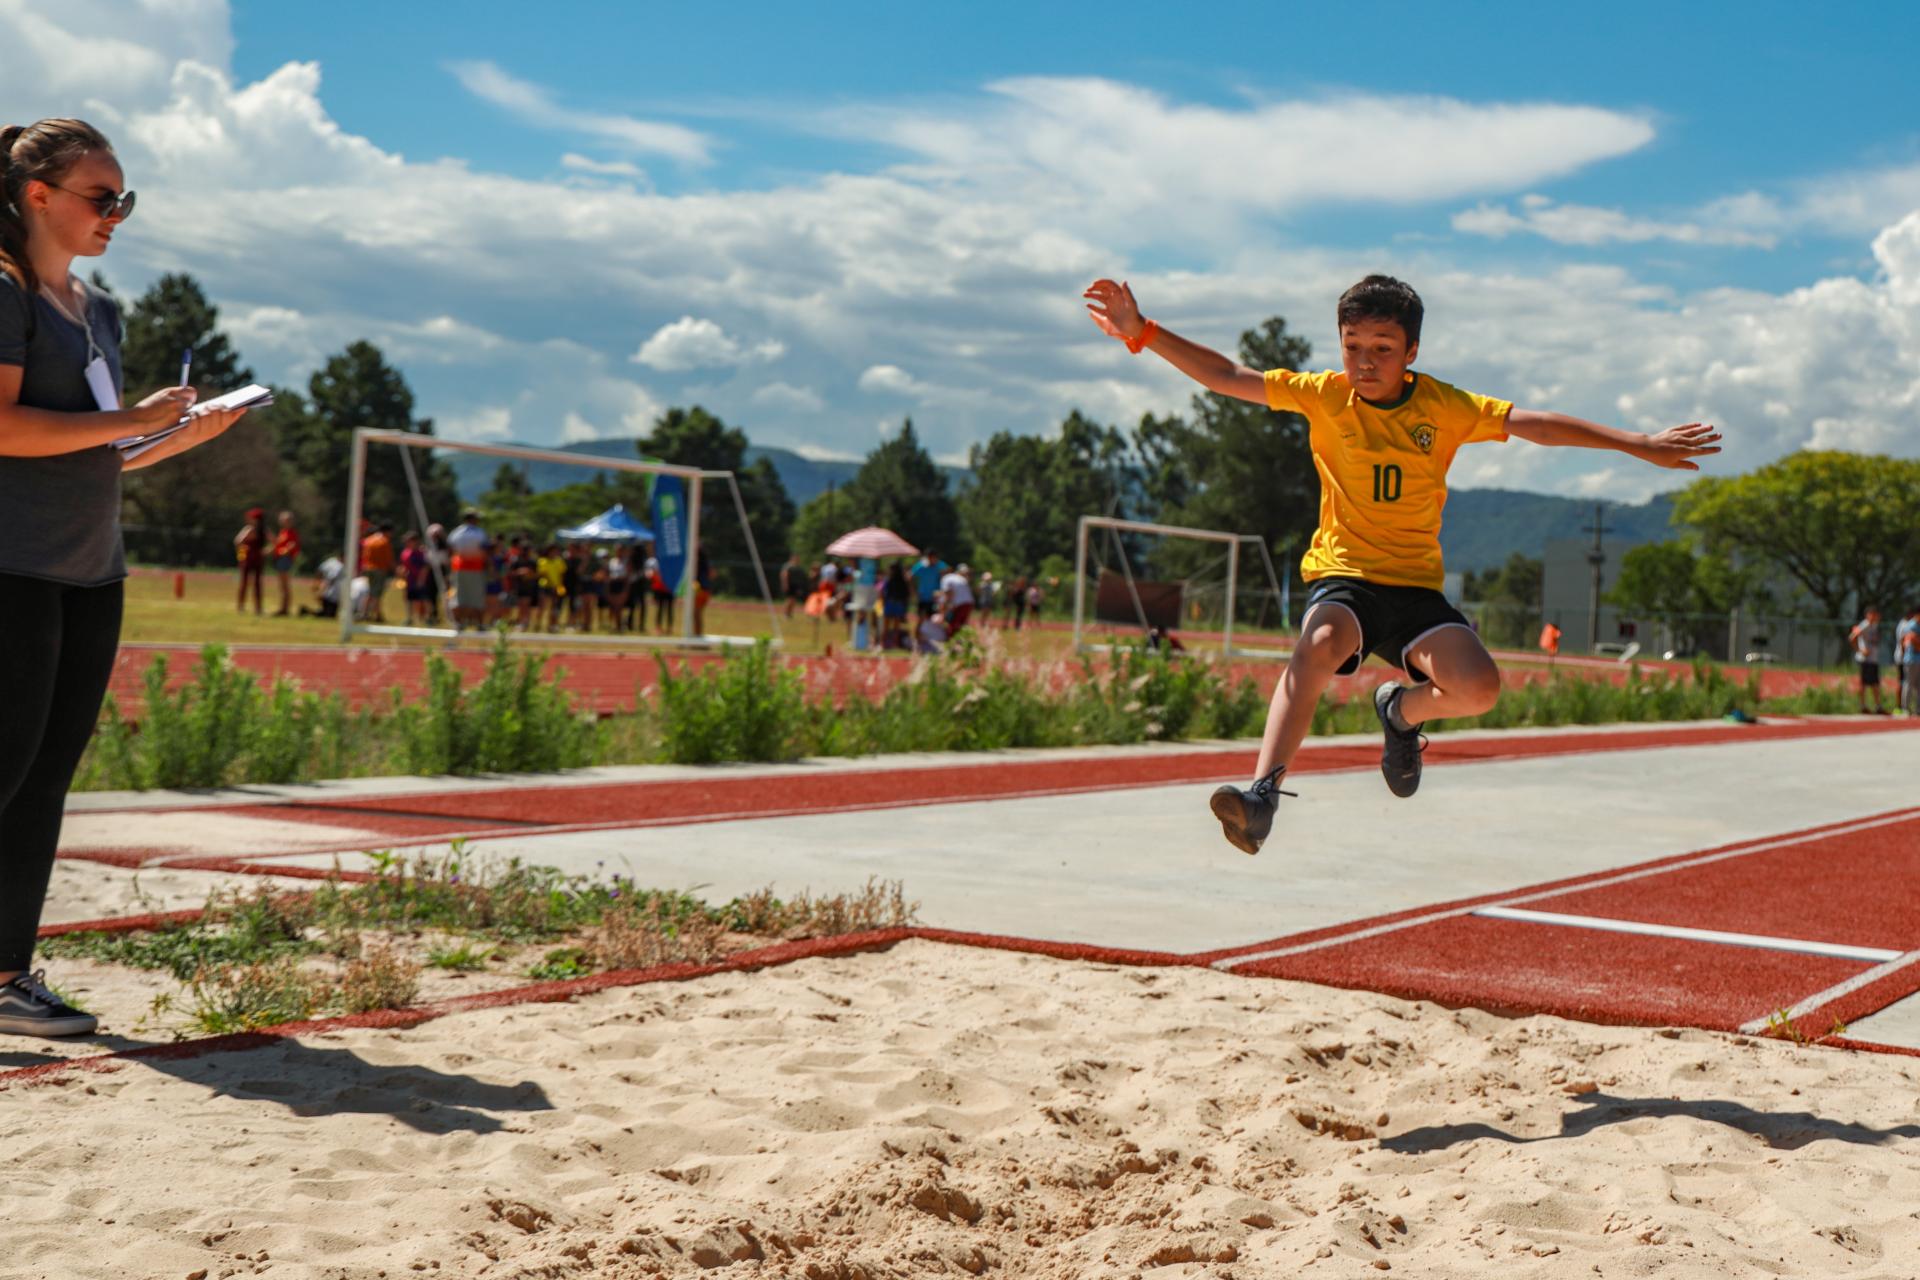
{"points": [[1483, 526], [805, 478]]}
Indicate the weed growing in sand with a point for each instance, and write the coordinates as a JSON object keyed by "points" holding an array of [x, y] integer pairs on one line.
{"points": [[253, 959], [247, 997], [1781, 1026], [879, 905], [235, 929], [383, 977], [467, 957], [562, 962]]}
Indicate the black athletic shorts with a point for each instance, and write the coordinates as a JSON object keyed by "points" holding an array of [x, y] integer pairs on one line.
{"points": [[1391, 618], [1869, 675]]}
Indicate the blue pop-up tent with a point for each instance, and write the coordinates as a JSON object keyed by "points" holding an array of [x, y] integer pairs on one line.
{"points": [[611, 525]]}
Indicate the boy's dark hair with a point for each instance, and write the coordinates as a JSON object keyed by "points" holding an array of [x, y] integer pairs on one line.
{"points": [[1382, 298]]}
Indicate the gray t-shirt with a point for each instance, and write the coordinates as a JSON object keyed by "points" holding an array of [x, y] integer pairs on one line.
{"points": [[60, 515]]}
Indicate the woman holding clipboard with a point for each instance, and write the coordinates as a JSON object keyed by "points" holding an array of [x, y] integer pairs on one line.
{"points": [[62, 566]]}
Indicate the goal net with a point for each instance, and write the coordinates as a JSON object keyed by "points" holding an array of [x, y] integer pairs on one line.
{"points": [[1135, 580], [659, 526]]}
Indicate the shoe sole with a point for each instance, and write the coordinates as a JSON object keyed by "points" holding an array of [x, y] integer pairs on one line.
{"points": [[1393, 785], [1232, 812], [50, 1028]]}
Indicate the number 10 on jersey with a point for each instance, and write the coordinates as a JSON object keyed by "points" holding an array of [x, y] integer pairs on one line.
{"points": [[1386, 482]]}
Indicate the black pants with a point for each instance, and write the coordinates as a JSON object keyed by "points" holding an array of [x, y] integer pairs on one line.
{"points": [[57, 645]]}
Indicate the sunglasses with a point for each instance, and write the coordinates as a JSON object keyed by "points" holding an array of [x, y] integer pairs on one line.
{"points": [[111, 205]]}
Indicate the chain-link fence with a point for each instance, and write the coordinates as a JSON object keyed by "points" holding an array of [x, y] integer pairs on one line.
{"points": [[1737, 637]]}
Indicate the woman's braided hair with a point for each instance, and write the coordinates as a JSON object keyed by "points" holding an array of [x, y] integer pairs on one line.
{"points": [[45, 151]]}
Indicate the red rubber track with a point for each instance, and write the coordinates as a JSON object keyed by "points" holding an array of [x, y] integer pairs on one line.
{"points": [[1805, 886], [1808, 891], [431, 817]]}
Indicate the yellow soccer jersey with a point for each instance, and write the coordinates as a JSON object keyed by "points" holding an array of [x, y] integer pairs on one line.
{"points": [[1383, 471]]}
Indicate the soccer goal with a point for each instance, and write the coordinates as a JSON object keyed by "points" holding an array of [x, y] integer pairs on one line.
{"points": [[676, 537], [1148, 578]]}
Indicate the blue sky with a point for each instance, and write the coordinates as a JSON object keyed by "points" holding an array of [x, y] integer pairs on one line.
{"points": [[818, 220]]}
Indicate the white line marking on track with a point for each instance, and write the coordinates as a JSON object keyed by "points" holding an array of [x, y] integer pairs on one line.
{"points": [[1229, 963], [1836, 991], [1838, 950]]}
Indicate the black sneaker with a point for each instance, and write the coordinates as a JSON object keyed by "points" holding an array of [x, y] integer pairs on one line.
{"points": [[1400, 761], [29, 1008], [1246, 816]]}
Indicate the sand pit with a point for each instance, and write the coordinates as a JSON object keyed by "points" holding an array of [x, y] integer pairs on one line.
{"points": [[938, 1110], [94, 891]]}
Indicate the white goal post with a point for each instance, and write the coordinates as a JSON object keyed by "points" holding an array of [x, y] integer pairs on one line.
{"points": [[694, 477], [1233, 543]]}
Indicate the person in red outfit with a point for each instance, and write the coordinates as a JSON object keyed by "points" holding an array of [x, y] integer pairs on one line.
{"points": [[250, 549]]}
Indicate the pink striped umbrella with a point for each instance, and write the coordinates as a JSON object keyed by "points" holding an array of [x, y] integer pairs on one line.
{"points": [[872, 541]]}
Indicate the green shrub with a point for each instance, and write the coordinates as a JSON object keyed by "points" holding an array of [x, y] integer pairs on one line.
{"points": [[744, 707], [193, 736], [220, 729], [512, 721]]}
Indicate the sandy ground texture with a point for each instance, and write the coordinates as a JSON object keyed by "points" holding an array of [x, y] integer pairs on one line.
{"points": [[95, 891], [937, 1110]]}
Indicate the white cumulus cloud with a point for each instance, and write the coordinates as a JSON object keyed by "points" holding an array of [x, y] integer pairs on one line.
{"points": [[695, 343]]}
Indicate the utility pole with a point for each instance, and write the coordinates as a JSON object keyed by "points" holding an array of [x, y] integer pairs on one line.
{"points": [[1596, 557]]}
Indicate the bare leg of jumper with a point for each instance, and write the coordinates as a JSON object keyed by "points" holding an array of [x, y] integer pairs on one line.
{"points": [[1463, 681], [1329, 635]]}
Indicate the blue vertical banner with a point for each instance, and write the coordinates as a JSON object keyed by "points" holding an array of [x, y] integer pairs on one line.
{"points": [[670, 529]]}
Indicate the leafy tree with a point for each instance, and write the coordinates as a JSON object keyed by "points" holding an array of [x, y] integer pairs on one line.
{"points": [[1518, 581], [358, 388], [509, 482], [902, 488], [538, 515], [173, 316], [1029, 492], [695, 438], [1844, 526], [1511, 594], [1682, 586], [1233, 466], [821, 519], [1236, 466], [185, 510]]}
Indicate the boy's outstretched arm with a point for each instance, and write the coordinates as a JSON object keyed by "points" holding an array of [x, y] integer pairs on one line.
{"points": [[1676, 447], [1118, 315]]}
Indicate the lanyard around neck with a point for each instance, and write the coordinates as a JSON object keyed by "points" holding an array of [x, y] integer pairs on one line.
{"points": [[84, 320]]}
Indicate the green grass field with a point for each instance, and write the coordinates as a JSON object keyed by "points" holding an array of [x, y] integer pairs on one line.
{"points": [[205, 612]]}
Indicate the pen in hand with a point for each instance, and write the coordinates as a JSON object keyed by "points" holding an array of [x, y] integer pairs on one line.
{"points": [[186, 365]]}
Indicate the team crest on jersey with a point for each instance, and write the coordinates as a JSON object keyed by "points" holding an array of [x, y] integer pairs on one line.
{"points": [[1423, 436]]}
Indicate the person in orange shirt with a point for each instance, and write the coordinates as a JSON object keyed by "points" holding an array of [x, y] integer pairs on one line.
{"points": [[1382, 438], [376, 561], [286, 554]]}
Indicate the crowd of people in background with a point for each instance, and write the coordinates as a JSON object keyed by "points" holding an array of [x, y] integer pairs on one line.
{"points": [[468, 578], [916, 605]]}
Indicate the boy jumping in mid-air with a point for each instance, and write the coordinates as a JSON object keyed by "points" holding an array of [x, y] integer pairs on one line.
{"points": [[1382, 439]]}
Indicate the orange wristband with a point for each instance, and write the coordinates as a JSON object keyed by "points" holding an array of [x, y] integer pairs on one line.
{"points": [[1147, 335]]}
